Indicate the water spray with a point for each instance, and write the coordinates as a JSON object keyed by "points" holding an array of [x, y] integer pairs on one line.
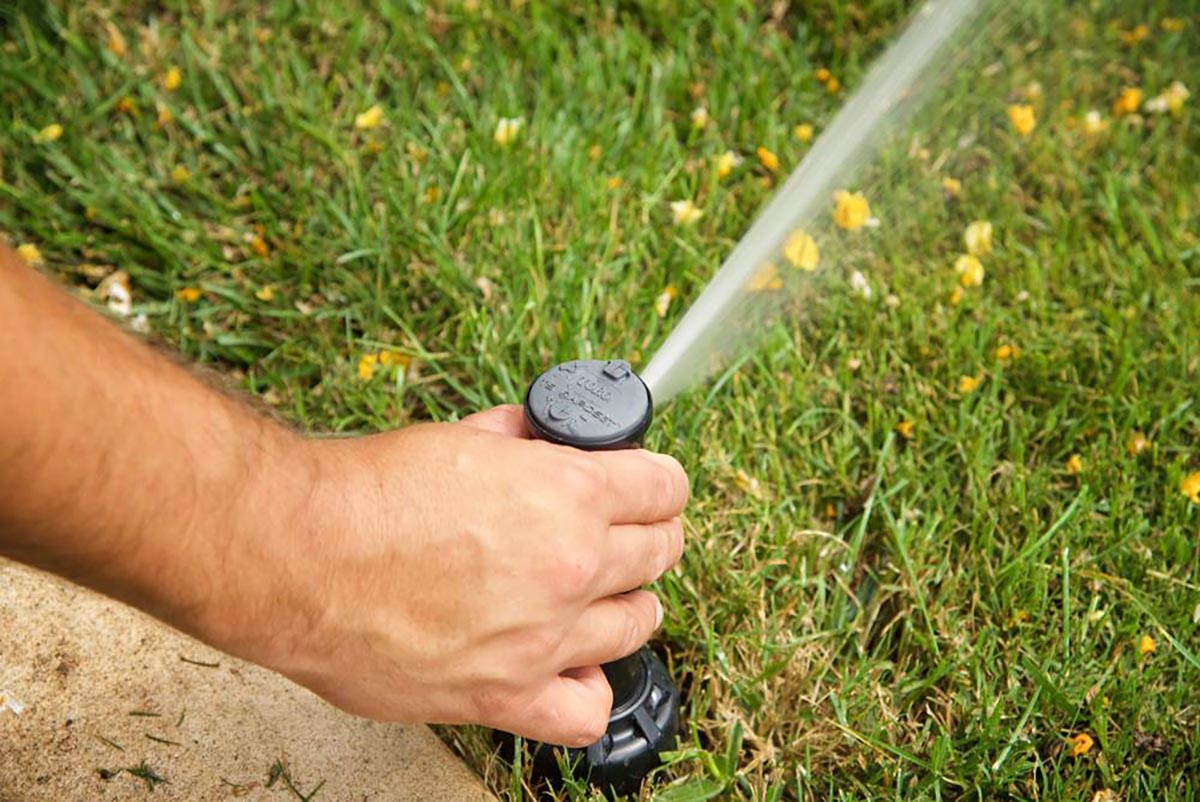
{"points": [[892, 91], [598, 405]]}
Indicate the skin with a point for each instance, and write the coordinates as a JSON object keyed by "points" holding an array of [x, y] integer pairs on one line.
{"points": [[446, 572]]}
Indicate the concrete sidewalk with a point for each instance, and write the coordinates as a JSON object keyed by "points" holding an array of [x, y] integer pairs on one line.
{"points": [[106, 688]]}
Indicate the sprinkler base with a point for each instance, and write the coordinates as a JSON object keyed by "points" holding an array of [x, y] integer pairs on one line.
{"points": [[638, 731]]}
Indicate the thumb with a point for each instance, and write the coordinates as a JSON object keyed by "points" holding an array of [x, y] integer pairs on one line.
{"points": [[506, 419], [571, 711]]}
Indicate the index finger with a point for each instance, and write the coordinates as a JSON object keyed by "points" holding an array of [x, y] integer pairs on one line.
{"points": [[643, 486]]}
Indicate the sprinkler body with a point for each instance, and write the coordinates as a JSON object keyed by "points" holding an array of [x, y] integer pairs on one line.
{"points": [[601, 405]]}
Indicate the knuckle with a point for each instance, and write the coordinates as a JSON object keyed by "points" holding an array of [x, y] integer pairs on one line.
{"points": [[657, 555], [664, 483], [535, 646], [667, 484], [575, 572], [591, 727], [668, 544], [583, 479], [674, 548], [635, 628], [493, 702]]}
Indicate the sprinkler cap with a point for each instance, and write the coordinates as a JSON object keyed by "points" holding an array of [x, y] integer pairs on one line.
{"points": [[591, 404]]}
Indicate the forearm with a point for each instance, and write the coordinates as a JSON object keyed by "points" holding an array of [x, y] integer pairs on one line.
{"points": [[118, 469]]}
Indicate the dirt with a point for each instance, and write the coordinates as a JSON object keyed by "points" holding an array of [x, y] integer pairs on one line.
{"points": [[118, 706]]}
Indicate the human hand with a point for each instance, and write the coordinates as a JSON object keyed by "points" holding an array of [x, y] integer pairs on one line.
{"points": [[464, 573], [446, 572]]}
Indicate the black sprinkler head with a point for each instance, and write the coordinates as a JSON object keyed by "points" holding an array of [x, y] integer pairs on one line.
{"points": [[589, 404], [600, 405]]}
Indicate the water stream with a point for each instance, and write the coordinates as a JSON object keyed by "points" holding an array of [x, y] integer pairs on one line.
{"points": [[894, 88]]}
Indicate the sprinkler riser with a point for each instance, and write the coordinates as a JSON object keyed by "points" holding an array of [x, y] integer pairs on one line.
{"points": [[599, 405]]}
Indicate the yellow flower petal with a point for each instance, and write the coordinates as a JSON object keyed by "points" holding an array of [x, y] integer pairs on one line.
{"points": [[1132, 37], [117, 291], [1171, 100], [189, 295], [367, 365], [51, 133], [833, 85], [850, 210], [1074, 464], [1127, 102], [31, 254], [768, 159], [1022, 118], [801, 251], [906, 429], [1093, 123], [968, 384], [969, 269], [823, 75], [765, 279], [507, 129], [803, 132], [259, 246], [1190, 487], [614, 182], [1146, 645], [747, 483], [663, 302], [1080, 744], [388, 358], [369, 119], [978, 238], [685, 212], [952, 187], [1007, 353], [1018, 618], [727, 162], [180, 174], [1172, 24], [956, 296], [116, 40], [1137, 443], [265, 293], [172, 78], [164, 116]]}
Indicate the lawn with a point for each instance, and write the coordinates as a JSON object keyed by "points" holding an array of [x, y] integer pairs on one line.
{"points": [[938, 534]]}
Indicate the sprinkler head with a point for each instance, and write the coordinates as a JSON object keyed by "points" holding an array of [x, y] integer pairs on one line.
{"points": [[601, 405], [589, 404]]}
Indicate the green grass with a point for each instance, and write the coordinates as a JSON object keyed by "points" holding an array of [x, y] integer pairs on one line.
{"points": [[969, 603]]}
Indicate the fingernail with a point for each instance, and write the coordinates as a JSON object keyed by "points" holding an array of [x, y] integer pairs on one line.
{"points": [[658, 616]]}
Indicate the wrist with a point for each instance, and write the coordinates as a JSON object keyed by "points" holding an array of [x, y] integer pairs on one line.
{"points": [[255, 547]]}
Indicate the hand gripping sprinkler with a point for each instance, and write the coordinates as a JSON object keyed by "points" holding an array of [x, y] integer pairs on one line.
{"points": [[601, 405]]}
